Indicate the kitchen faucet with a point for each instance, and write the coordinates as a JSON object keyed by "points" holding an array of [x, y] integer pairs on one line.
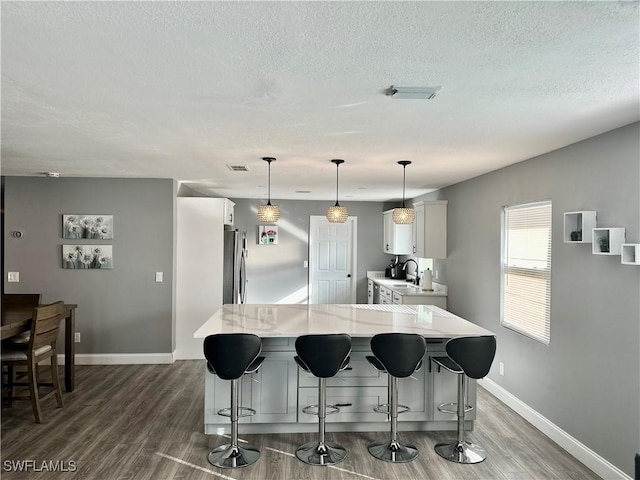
{"points": [[417, 277]]}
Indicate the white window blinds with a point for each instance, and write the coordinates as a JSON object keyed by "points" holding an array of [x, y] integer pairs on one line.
{"points": [[526, 270]]}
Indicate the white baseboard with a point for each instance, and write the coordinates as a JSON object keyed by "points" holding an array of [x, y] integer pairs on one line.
{"points": [[120, 358], [584, 454]]}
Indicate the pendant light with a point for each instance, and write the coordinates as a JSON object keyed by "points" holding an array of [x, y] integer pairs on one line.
{"points": [[268, 213], [403, 215], [337, 213]]}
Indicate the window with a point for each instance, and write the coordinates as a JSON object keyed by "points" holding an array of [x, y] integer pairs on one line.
{"points": [[526, 270]]}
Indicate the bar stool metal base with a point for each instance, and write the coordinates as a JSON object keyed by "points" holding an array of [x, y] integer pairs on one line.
{"points": [[315, 453], [229, 456], [393, 451], [461, 452]]}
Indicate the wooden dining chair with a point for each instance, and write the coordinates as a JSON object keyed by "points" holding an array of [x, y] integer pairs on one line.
{"points": [[41, 346]]}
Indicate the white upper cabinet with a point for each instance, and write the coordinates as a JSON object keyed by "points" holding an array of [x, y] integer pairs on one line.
{"points": [[228, 212], [397, 239], [430, 229]]}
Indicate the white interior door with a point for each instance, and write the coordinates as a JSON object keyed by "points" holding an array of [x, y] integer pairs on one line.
{"points": [[332, 260]]}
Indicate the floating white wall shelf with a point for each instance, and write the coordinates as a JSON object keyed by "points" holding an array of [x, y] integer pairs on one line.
{"points": [[608, 241], [578, 226], [630, 254]]}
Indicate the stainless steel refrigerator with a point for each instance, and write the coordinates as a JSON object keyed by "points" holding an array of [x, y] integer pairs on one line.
{"points": [[234, 280]]}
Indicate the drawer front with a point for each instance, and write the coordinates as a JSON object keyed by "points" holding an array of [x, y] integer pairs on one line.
{"points": [[386, 293], [356, 404], [361, 343], [359, 373], [397, 298], [278, 343]]}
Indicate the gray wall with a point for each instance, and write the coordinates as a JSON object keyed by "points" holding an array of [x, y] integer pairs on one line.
{"points": [[587, 381], [275, 272], [121, 310]]}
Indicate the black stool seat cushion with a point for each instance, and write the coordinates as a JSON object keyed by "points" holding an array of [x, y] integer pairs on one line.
{"points": [[253, 368], [473, 354], [378, 366], [231, 354], [399, 353], [303, 365], [447, 363], [376, 363], [323, 355]]}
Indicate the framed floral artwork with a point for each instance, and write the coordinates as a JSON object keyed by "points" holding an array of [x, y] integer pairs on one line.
{"points": [[267, 235], [86, 257], [97, 227]]}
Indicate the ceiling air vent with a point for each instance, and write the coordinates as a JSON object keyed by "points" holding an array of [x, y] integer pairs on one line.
{"points": [[238, 168]]}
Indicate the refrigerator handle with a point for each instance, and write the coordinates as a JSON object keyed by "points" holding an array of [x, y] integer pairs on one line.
{"points": [[243, 278]]}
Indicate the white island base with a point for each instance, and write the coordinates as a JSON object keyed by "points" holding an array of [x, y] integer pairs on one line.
{"points": [[280, 390]]}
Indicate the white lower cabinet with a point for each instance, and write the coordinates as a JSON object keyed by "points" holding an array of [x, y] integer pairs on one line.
{"points": [[283, 390], [273, 395], [357, 391], [438, 301], [355, 403]]}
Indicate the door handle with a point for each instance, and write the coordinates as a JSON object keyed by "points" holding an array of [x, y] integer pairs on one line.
{"points": [[348, 275]]}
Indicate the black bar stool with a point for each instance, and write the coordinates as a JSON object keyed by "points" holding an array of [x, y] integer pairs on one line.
{"points": [[323, 356], [400, 355], [230, 356], [467, 357]]}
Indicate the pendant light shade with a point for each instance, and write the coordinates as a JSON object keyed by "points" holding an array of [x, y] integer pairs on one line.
{"points": [[403, 215], [268, 213], [337, 213]]}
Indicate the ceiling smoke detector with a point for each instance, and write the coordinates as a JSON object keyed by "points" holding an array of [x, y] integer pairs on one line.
{"points": [[416, 93], [238, 168]]}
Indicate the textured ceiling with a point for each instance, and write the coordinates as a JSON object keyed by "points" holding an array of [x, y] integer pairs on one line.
{"points": [[181, 90]]}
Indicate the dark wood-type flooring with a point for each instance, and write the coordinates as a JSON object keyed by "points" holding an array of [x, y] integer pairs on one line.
{"points": [[146, 422]]}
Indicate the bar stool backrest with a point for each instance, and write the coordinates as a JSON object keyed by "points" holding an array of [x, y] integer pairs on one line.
{"points": [[323, 354], [473, 354], [399, 353], [231, 353]]}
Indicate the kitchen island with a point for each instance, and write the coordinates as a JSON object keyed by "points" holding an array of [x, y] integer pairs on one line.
{"points": [[279, 391]]}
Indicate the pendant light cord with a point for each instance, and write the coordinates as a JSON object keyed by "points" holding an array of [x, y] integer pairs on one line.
{"points": [[337, 167], [404, 177], [269, 186]]}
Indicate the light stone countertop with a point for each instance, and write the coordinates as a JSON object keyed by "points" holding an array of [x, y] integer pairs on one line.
{"points": [[403, 287], [359, 320]]}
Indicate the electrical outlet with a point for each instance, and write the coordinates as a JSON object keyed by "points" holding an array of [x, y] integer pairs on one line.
{"points": [[77, 337], [436, 274], [159, 277], [501, 368], [13, 277]]}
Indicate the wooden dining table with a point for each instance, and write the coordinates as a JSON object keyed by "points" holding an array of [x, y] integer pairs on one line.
{"points": [[17, 319]]}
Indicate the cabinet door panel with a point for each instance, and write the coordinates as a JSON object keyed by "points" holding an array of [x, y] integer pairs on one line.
{"points": [[274, 396], [356, 404], [360, 373]]}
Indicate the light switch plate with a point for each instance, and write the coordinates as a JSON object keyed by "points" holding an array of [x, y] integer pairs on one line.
{"points": [[158, 276], [13, 277]]}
